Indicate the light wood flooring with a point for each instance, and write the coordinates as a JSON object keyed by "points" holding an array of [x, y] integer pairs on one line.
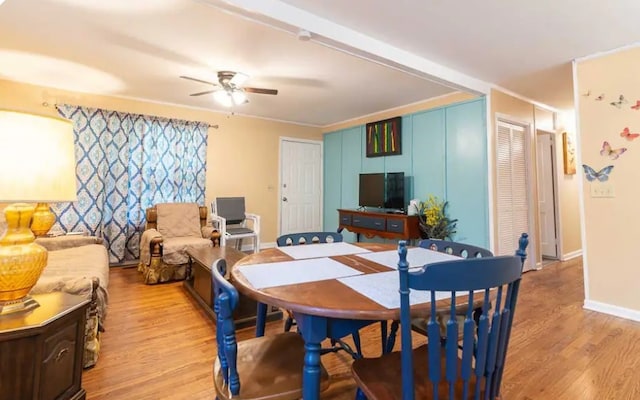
{"points": [[160, 345]]}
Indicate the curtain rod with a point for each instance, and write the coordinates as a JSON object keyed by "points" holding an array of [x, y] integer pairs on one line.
{"points": [[46, 104]]}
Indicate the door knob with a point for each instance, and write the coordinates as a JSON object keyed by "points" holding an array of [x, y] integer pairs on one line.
{"points": [[284, 199]]}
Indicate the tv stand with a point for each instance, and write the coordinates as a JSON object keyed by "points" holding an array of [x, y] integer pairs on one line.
{"points": [[387, 225]]}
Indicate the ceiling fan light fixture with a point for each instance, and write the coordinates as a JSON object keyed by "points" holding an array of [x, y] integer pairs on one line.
{"points": [[239, 97], [238, 79], [223, 98], [229, 98]]}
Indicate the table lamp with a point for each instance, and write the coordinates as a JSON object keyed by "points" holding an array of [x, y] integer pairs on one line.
{"points": [[37, 165]]}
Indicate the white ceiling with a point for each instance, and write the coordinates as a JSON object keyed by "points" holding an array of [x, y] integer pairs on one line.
{"points": [[522, 45], [138, 48]]}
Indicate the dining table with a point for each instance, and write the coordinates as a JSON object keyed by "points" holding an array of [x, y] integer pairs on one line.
{"points": [[360, 288]]}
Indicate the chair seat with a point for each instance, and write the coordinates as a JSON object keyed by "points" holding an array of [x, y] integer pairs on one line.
{"points": [[381, 378], [174, 249], [239, 231], [266, 368]]}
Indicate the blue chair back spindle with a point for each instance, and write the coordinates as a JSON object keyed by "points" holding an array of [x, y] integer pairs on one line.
{"points": [[475, 370], [225, 299], [294, 239]]}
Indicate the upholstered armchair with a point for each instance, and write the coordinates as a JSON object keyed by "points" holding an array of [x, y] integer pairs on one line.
{"points": [[170, 229]]}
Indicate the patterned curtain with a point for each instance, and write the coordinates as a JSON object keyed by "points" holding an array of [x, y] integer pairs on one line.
{"points": [[126, 163]]}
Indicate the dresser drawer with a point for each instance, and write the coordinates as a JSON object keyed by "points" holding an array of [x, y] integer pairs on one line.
{"points": [[345, 219], [395, 225], [58, 362], [375, 223]]}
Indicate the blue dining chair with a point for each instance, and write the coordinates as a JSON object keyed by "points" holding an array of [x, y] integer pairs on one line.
{"points": [[302, 238], [472, 370], [269, 367], [419, 324], [294, 239], [454, 248], [457, 249]]}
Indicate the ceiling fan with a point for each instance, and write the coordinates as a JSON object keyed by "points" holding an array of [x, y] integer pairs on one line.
{"points": [[229, 90]]}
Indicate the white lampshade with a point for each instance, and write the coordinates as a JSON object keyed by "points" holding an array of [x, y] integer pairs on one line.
{"points": [[37, 159], [223, 98], [239, 97]]}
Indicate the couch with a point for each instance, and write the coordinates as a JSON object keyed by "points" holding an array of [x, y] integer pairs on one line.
{"points": [[170, 229], [79, 265]]}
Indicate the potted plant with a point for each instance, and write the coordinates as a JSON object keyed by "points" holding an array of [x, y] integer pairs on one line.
{"points": [[433, 220]]}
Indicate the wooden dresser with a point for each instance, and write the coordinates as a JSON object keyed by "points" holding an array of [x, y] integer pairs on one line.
{"points": [[384, 225], [41, 350]]}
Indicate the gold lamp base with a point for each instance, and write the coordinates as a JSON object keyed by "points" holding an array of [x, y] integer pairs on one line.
{"points": [[24, 304], [21, 260], [42, 220]]}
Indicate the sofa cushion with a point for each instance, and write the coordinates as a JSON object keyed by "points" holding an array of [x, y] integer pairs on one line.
{"points": [[174, 250], [179, 220], [71, 270]]}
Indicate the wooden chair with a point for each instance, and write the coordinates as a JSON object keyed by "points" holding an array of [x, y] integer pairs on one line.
{"points": [[302, 238], [433, 371], [458, 249], [294, 239], [454, 248], [268, 367]]}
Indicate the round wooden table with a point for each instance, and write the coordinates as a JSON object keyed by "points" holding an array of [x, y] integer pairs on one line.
{"points": [[322, 309]]}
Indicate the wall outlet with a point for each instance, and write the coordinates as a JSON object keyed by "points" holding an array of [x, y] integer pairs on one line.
{"points": [[602, 189]]}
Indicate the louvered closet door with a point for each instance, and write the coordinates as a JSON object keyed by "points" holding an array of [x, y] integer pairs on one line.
{"points": [[512, 199]]}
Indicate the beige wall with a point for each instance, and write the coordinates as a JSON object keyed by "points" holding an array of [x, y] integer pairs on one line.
{"points": [[569, 189], [612, 225], [517, 110], [242, 155], [412, 108]]}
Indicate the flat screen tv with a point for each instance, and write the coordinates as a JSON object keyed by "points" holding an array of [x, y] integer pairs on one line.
{"points": [[371, 190], [394, 191]]}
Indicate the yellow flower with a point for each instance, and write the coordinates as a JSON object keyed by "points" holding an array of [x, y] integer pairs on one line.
{"points": [[435, 222]]}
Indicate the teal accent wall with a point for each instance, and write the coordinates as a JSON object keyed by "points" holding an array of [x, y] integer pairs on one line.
{"points": [[466, 171], [331, 174], [352, 142], [444, 153]]}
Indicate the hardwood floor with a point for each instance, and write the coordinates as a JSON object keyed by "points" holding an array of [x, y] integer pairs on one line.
{"points": [[159, 345]]}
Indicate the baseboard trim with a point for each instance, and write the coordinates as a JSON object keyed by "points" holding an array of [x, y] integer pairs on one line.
{"points": [[610, 309], [571, 255]]}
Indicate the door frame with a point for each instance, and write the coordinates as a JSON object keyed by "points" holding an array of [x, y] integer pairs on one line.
{"points": [[556, 194], [281, 141], [532, 249]]}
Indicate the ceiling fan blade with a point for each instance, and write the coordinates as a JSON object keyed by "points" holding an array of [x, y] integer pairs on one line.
{"points": [[202, 93], [238, 79], [259, 90], [198, 80]]}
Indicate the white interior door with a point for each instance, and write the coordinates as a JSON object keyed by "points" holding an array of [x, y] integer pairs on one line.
{"points": [[512, 189], [300, 186], [546, 198]]}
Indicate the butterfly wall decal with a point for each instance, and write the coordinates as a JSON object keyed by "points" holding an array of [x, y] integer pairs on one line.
{"points": [[611, 153], [620, 102], [587, 94], [637, 106], [628, 135], [592, 175], [600, 98]]}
